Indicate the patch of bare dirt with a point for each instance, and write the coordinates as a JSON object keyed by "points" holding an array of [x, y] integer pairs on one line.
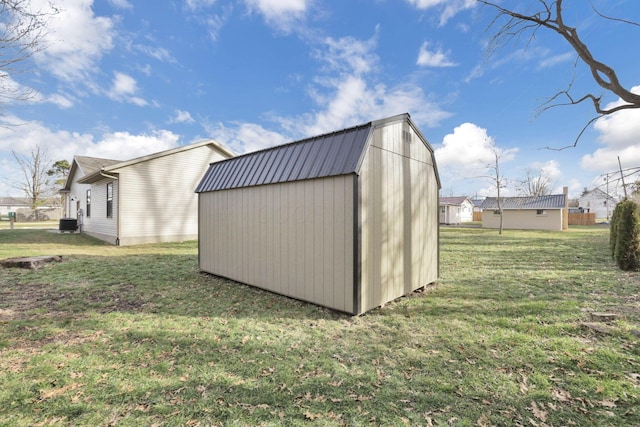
{"points": [[34, 300]]}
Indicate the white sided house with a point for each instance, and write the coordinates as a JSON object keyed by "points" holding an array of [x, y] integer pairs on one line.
{"points": [[598, 202], [455, 210], [549, 212], [346, 220], [148, 199]]}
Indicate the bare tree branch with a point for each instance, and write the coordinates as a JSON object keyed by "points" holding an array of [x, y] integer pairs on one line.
{"points": [[22, 32], [551, 18], [535, 183], [610, 18], [34, 183]]}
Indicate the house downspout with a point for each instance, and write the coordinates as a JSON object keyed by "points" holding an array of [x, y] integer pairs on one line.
{"points": [[115, 178]]}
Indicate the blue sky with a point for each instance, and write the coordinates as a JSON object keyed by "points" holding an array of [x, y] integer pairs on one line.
{"points": [[124, 78]]}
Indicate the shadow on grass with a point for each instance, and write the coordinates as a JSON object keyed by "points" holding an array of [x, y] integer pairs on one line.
{"points": [[155, 284], [21, 237]]}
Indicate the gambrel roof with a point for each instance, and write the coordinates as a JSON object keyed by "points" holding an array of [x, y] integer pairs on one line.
{"points": [[331, 154], [552, 201]]}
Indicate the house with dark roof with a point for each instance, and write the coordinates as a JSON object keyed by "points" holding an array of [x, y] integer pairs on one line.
{"points": [[148, 199], [346, 220], [455, 210], [548, 212]]}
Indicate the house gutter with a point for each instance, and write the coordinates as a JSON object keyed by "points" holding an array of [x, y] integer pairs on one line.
{"points": [[106, 175]]}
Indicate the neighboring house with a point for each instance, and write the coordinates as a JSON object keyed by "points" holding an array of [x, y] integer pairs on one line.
{"points": [[12, 204], [455, 210], [527, 213], [598, 202], [48, 209], [347, 220], [148, 199]]}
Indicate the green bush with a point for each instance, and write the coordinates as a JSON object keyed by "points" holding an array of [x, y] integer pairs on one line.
{"points": [[627, 235]]}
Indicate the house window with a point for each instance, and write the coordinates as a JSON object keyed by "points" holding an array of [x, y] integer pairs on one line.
{"points": [[110, 200], [541, 212], [442, 209], [88, 203], [496, 212]]}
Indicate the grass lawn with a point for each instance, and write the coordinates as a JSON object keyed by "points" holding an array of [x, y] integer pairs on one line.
{"points": [[136, 336]]}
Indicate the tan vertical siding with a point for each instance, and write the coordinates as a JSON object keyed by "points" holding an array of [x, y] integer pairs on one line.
{"points": [[291, 238], [399, 216], [524, 219]]}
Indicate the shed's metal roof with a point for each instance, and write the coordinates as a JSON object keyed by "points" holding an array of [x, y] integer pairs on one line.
{"points": [[552, 201], [332, 154]]}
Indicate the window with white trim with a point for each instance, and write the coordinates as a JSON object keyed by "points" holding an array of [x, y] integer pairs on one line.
{"points": [[110, 200]]}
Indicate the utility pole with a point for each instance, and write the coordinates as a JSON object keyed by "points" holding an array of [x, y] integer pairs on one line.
{"points": [[624, 187]]}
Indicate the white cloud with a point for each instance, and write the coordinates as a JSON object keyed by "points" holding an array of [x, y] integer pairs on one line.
{"points": [[124, 88], [348, 54], [517, 58], [245, 137], [121, 4], [468, 153], [345, 94], [125, 146], [14, 92], [556, 59], [181, 117], [448, 8], [159, 53], [550, 168], [280, 14], [433, 58], [619, 133], [213, 22], [60, 100], [73, 50], [199, 4], [22, 137]]}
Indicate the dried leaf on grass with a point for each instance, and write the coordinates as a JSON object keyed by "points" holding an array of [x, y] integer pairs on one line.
{"points": [[539, 412], [484, 421], [54, 392]]}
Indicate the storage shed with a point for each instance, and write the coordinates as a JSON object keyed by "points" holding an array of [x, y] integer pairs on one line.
{"points": [[346, 220]]}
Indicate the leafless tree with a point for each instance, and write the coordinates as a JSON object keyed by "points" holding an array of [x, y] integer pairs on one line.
{"points": [[535, 183], [34, 184], [22, 34], [498, 180], [513, 25]]}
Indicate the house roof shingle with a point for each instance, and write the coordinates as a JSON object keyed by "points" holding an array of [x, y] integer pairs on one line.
{"points": [[552, 201], [101, 166], [455, 201]]}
